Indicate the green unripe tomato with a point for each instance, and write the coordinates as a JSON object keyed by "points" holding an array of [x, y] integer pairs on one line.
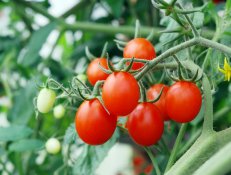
{"points": [[82, 77], [45, 100], [53, 146], [59, 111]]}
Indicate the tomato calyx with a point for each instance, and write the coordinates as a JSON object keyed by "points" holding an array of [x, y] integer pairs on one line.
{"points": [[181, 71], [85, 93], [158, 96], [91, 57], [121, 44], [120, 66], [144, 94], [94, 73]]}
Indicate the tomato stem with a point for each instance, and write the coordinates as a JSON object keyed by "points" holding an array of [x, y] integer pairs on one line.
{"points": [[89, 55], [208, 101], [153, 159], [176, 147], [96, 89], [137, 29], [96, 27], [194, 30], [104, 51], [142, 92]]}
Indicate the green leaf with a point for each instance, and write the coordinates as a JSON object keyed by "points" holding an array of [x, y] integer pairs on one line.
{"points": [[168, 37], [198, 18], [228, 6], [26, 145], [8, 43], [14, 132], [70, 134], [115, 7], [92, 156], [38, 38], [23, 107]]}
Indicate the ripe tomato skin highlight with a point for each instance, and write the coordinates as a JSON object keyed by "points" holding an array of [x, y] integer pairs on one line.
{"points": [[183, 101], [94, 73], [153, 92], [93, 124], [139, 48], [120, 93], [145, 124]]}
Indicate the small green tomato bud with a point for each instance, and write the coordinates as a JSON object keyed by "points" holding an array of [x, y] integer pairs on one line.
{"points": [[45, 100], [53, 146], [59, 111]]}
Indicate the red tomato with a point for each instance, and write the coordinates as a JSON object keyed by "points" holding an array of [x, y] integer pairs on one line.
{"points": [[148, 169], [145, 124], [139, 48], [94, 73], [120, 93], [153, 92], [93, 124], [138, 161], [183, 101]]}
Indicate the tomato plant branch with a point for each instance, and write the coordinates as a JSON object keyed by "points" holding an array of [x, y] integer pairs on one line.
{"points": [[153, 159], [76, 7], [165, 55], [189, 143], [176, 146], [97, 27], [217, 164], [96, 89], [212, 44], [200, 41], [208, 101], [194, 30], [164, 146]]}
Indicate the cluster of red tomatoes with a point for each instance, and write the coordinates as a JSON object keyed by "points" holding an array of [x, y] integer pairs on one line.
{"points": [[95, 123]]}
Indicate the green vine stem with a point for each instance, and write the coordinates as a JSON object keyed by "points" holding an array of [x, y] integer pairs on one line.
{"points": [[96, 27], [220, 161], [200, 41], [96, 89], [204, 147], [164, 55], [176, 147], [153, 159], [194, 30], [142, 92], [208, 101], [163, 145], [192, 139]]}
